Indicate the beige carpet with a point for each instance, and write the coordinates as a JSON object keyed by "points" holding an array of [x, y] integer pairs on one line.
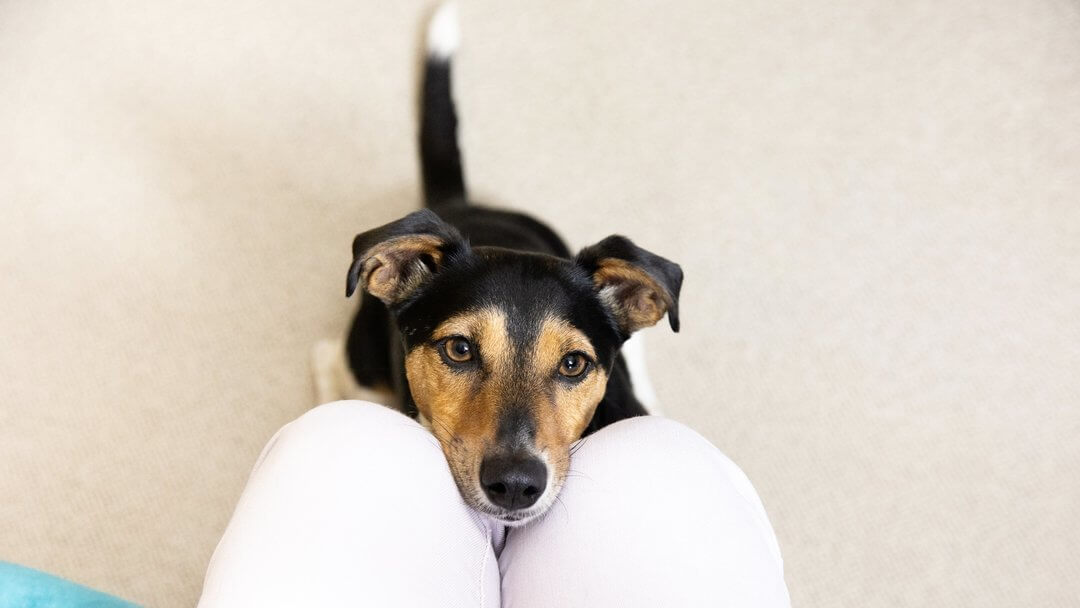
{"points": [[876, 205]]}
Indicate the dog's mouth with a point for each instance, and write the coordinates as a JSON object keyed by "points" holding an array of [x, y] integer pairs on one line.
{"points": [[513, 519], [519, 517], [476, 500]]}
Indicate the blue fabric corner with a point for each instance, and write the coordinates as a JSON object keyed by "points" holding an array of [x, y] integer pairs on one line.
{"points": [[27, 588]]}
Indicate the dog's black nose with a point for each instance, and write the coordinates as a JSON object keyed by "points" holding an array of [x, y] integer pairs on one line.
{"points": [[513, 482]]}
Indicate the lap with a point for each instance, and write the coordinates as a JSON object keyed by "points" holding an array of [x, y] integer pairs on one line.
{"points": [[355, 502]]}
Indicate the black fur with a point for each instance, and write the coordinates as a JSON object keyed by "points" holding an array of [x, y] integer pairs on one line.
{"points": [[443, 178], [490, 257]]}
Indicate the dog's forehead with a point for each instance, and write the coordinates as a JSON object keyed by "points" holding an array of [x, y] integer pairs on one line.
{"points": [[527, 290]]}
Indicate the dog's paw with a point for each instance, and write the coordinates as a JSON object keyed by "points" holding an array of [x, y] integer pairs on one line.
{"points": [[326, 357], [334, 381]]}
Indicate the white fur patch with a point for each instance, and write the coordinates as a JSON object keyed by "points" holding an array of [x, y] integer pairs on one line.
{"points": [[334, 380], [443, 35], [633, 352]]}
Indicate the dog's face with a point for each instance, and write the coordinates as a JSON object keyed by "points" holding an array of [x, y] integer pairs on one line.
{"points": [[507, 354]]}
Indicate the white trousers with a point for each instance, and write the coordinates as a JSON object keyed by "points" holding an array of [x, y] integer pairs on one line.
{"points": [[353, 504]]}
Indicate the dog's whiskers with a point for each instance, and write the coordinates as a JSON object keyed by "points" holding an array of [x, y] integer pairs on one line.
{"points": [[450, 436], [577, 446]]}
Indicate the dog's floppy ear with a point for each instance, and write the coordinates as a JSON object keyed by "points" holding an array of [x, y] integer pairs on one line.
{"points": [[391, 261], [636, 285]]}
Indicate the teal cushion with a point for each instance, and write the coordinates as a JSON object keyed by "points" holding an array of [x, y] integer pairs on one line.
{"points": [[25, 588]]}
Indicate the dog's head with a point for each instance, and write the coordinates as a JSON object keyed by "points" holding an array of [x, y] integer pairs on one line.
{"points": [[507, 353]]}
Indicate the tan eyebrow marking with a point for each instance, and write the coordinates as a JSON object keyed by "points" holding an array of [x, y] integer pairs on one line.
{"points": [[487, 329], [556, 338]]}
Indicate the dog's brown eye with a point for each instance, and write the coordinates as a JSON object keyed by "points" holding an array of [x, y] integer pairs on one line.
{"points": [[458, 350], [573, 365]]}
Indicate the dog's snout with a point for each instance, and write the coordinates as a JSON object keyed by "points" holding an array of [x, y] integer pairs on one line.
{"points": [[513, 482]]}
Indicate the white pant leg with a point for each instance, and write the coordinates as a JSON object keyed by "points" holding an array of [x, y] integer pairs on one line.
{"points": [[353, 505], [651, 515]]}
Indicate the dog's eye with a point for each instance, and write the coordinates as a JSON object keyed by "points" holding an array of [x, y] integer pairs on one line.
{"points": [[573, 365], [458, 350]]}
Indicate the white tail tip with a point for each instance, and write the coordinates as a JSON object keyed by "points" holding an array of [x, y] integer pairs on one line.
{"points": [[443, 35]]}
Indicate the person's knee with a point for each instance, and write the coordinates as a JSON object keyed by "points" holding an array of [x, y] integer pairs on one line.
{"points": [[665, 452], [651, 495], [357, 418], [357, 432], [651, 438]]}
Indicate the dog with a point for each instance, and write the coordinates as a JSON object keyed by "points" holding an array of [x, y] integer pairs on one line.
{"points": [[482, 324]]}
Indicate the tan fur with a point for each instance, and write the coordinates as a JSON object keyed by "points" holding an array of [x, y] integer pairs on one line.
{"points": [[464, 406], [573, 403], [561, 418], [636, 298], [461, 407], [392, 269]]}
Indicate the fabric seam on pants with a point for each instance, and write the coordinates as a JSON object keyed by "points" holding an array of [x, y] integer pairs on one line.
{"points": [[483, 564]]}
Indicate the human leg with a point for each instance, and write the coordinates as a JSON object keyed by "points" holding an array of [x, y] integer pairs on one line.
{"points": [[651, 515], [353, 504]]}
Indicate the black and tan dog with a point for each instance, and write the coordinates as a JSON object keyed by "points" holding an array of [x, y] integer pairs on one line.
{"points": [[482, 324]]}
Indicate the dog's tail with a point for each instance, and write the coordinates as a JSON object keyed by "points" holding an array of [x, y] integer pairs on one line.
{"points": [[440, 160]]}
